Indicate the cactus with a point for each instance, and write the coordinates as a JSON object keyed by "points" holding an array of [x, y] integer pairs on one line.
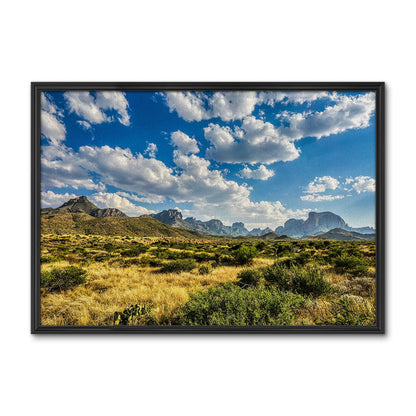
{"points": [[131, 313]]}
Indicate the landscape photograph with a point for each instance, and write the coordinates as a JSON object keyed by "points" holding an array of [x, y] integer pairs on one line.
{"points": [[207, 208]]}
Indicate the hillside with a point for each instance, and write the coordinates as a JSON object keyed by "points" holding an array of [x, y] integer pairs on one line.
{"points": [[273, 236], [344, 235], [81, 223]]}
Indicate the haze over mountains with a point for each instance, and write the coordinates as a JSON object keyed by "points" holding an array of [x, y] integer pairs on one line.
{"points": [[323, 224]]}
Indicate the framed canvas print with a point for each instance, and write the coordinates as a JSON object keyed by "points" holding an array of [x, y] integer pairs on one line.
{"points": [[208, 207]]}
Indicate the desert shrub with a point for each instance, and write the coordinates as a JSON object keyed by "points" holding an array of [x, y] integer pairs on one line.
{"points": [[79, 250], [204, 256], [296, 260], [63, 279], [245, 255], [102, 257], [134, 251], [261, 245], [150, 261], [249, 277], [176, 266], [287, 262], [303, 258], [63, 249], [356, 266], [318, 244], [232, 305], [131, 314], [344, 312], [204, 269], [50, 259], [225, 259], [45, 278], [132, 261], [277, 275], [309, 282]]}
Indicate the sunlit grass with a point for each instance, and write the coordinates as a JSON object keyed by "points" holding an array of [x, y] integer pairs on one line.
{"points": [[115, 282]]}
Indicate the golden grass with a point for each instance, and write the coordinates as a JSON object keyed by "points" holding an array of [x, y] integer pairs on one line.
{"points": [[114, 285], [110, 289]]}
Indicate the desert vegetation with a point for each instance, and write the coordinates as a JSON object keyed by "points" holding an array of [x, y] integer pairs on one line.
{"points": [[89, 279]]}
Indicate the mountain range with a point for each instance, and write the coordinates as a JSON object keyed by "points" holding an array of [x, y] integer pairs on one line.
{"points": [[78, 213], [316, 223], [82, 204], [174, 218]]}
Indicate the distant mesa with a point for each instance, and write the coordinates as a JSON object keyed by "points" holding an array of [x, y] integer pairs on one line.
{"points": [[81, 204], [317, 223]]}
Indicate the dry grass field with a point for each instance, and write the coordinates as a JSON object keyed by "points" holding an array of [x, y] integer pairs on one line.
{"points": [[215, 281]]}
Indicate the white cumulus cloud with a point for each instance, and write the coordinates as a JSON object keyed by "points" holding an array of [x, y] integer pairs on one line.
{"points": [[231, 105], [113, 200], [261, 173], [364, 184], [184, 143], [52, 126], [321, 184], [84, 124], [255, 142], [349, 112], [93, 108], [53, 200], [320, 198], [151, 150]]}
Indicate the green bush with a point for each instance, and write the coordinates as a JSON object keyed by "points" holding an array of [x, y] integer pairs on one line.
{"points": [[249, 277], [310, 282], [50, 259], [204, 269], [225, 259], [232, 305], [177, 266], [134, 250], [62, 279], [45, 278], [307, 282], [150, 261], [261, 245], [245, 255], [356, 266], [102, 257], [278, 275], [204, 256]]}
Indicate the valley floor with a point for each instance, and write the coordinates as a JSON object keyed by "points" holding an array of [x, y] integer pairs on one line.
{"points": [[95, 280]]}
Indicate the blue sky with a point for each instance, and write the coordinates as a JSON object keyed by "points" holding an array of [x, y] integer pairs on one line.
{"points": [[256, 157]]}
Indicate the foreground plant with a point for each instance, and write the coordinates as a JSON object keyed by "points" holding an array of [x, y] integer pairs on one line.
{"points": [[232, 305], [62, 279]]}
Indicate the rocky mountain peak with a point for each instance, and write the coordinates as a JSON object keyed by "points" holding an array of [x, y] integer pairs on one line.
{"points": [[81, 204], [169, 216]]}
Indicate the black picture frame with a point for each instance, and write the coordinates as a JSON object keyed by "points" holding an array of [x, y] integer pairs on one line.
{"points": [[38, 87]]}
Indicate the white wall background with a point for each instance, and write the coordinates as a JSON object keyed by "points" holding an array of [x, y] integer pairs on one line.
{"points": [[206, 41]]}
